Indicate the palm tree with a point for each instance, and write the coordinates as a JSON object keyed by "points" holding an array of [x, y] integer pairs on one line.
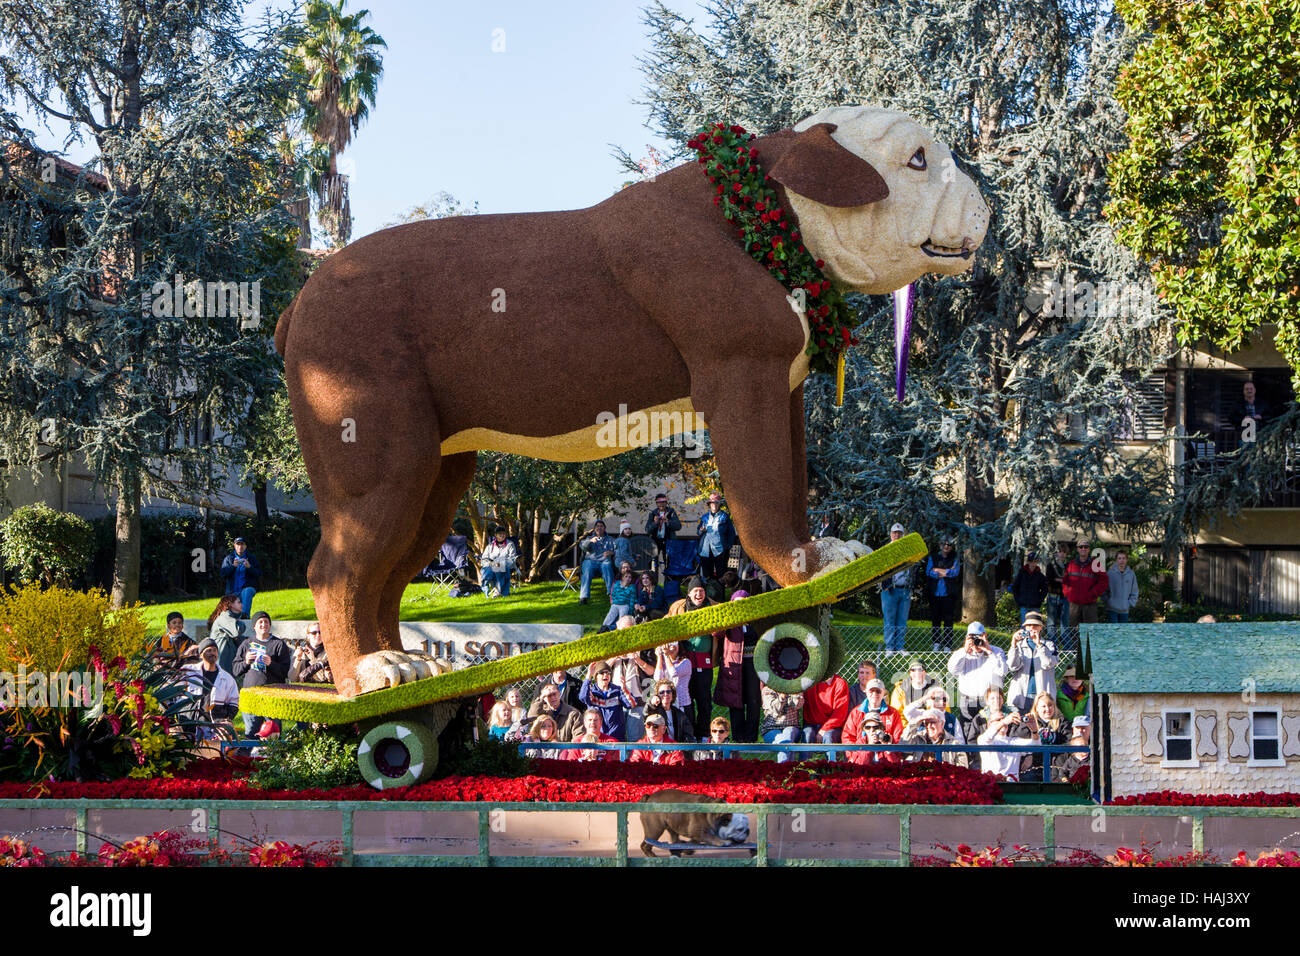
{"points": [[341, 60]]}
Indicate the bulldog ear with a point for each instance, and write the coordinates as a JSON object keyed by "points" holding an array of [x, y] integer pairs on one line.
{"points": [[816, 166]]}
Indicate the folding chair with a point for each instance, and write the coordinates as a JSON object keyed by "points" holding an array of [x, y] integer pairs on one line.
{"points": [[683, 558], [571, 577], [453, 560]]}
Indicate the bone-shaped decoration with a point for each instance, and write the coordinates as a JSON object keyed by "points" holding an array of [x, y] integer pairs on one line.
{"points": [[1291, 735], [1207, 745], [1238, 735], [1151, 746]]}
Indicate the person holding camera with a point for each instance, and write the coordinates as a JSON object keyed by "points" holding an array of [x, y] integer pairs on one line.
{"points": [[1001, 726], [241, 573], [1032, 663], [497, 563], [662, 526], [597, 555], [977, 666], [781, 720], [874, 710], [310, 664]]}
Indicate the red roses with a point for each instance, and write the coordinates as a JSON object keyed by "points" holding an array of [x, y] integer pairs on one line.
{"points": [[735, 781], [1172, 798]]}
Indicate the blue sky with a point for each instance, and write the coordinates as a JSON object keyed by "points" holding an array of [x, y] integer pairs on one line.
{"points": [[526, 129]]}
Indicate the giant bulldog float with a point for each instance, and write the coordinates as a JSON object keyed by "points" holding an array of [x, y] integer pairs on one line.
{"points": [[419, 345]]}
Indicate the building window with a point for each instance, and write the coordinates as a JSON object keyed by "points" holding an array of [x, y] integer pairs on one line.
{"points": [[1179, 745], [1265, 739]]}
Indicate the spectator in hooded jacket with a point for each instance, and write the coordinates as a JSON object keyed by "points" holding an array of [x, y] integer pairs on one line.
{"points": [[1084, 582], [226, 628], [874, 708], [716, 535], [911, 688], [1029, 587], [825, 708], [599, 694], [1032, 662], [1122, 596]]}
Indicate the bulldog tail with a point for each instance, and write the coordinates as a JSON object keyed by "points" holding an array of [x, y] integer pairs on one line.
{"points": [[282, 327]]}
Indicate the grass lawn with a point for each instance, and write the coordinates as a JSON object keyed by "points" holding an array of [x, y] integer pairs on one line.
{"points": [[543, 603]]}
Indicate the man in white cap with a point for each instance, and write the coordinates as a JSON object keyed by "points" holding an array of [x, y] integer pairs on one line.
{"points": [[1068, 765], [874, 708], [928, 728], [978, 665], [896, 600]]}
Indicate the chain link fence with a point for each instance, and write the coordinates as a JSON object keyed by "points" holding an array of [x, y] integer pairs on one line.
{"points": [[861, 643]]}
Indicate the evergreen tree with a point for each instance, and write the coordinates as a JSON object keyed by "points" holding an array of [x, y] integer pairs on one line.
{"points": [[1022, 384], [131, 315]]}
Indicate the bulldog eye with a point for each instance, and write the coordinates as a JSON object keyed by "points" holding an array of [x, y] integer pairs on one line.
{"points": [[918, 160]]}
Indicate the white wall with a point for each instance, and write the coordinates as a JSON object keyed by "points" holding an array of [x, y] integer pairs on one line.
{"points": [[1133, 771]]}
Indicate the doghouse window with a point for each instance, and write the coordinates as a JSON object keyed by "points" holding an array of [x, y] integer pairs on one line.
{"points": [[1265, 739], [1180, 750]]}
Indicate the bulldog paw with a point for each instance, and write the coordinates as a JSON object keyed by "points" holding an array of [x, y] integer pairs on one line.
{"points": [[384, 669], [832, 554]]}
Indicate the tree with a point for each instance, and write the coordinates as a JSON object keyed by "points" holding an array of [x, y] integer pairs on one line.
{"points": [[1208, 188], [46, 546], [1018, 401], [523, 494], [130, 325], [340, 58]]}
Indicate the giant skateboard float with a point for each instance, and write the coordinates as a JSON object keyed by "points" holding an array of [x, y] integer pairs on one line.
{"points": [[400, 725]]}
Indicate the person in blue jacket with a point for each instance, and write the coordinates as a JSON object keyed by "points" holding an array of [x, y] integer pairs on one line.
{"points": [[599, 692], [943, 585], [717, 534], [242, 574]]}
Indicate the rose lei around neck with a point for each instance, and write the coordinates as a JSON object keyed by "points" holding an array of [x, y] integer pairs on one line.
{"points": [[748, 198]]}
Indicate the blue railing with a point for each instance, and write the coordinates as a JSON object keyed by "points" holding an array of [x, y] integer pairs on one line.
{"points": [[737, 748]]}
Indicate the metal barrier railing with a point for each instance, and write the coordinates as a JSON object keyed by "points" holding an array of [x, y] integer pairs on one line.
{"points": [[760, 813]]}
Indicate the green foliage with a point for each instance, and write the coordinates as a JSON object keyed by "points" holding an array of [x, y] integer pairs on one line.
{"points": [[119, 729], [41, 544], [57, 628], [1016, 412], [520, 493], [308, 759], [1208, 188], [1007, 611], [1155, 583], [490, 757]]}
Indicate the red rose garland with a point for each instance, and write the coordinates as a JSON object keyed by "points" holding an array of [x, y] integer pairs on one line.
{"points": [[748, 198]]}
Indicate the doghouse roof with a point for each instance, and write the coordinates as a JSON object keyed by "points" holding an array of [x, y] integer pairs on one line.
{"points": [[1194, 658]]}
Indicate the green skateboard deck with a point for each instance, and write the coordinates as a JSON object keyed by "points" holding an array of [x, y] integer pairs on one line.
{"points": [[318, 703]]}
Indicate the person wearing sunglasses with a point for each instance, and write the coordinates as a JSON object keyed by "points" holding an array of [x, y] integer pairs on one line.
{"points": [[310, 664]]}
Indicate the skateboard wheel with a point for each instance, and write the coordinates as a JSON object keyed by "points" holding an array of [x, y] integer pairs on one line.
{"points": [[791, 657], [397, 753]]}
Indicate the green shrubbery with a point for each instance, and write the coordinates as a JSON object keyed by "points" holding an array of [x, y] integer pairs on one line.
{"points": [[46, 546], [309, 759]]}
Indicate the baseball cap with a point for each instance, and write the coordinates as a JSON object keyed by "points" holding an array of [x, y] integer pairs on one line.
{"points": [[656, 719], [874, 683], [974, 628], [916, 666], [872, 718], [239, 541], [268, 728], [1081, 721], [1033, 617], [1032, 556], [896, 527]]}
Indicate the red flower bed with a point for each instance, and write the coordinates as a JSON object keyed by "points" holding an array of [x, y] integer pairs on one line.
{"points": [[556, 781], [1172, 798]]}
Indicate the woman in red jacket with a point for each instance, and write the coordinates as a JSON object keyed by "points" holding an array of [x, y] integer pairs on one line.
{"points": [[825, 709]]}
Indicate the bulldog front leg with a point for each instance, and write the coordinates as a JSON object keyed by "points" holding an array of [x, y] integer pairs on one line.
{"points": [[751, 432]]}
